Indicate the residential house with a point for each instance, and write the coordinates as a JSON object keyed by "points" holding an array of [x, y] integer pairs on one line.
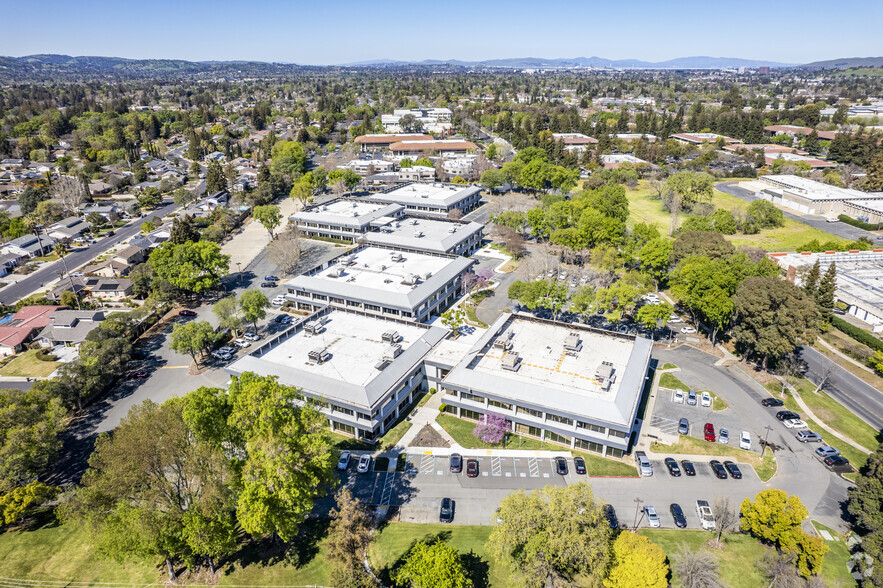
{"points": [[11, 164], [29, 245], [23, 326], [69, 327], [98, 287], [67, 229], [109, 211]]}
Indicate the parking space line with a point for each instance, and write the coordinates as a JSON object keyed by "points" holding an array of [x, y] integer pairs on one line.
{"points": [[496, 470], [515, 460], [534, 467]]}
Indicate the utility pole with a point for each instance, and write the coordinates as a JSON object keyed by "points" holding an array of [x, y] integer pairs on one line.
{"points": [[638, 503], [765, 438]]}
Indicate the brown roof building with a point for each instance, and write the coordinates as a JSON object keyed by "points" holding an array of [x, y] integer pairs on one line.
{"points": [[371, 142], [431, 146]]}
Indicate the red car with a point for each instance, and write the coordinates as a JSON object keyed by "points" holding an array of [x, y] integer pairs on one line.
{"points": [[472, 468], [709, 432], [186, 312], [138, 374]]}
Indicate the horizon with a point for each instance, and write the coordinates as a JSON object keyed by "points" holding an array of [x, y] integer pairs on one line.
{"points": [[227, 31]]}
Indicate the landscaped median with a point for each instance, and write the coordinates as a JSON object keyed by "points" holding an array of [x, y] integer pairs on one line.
{"points": [[667, 380], [461, 431], [764, 466]]}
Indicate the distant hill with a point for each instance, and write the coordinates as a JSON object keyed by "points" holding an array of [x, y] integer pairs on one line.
{"points": [[700, 62], [846, 62]]}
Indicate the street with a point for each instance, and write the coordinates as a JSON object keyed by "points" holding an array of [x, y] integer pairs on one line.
{"points": [[849, 390]]}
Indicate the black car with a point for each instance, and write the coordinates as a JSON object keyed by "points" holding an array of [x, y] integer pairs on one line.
{"points": [[579, 465], [610, 513], [772, 402], [268, 284], [784, 415], [718, 469], [735, 473], [446, 513], [836, 461], [456, 463], [672, 466], [561, 466], [279, 318], [688, 467], [677, 513], [472, 468]]}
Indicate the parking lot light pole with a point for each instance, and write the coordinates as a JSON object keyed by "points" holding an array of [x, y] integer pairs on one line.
{"points": [[239, 267], [765, 437], [638, 503]]}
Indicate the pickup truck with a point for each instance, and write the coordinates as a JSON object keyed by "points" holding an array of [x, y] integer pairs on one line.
{"points": [[706, 518], [644, 466]]}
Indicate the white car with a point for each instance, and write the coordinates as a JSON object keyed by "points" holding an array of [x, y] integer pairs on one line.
{"points": [[674, 319], [278, 301], [251, 337], [678, 397], [688, 330], [584, 279], [242, 343], [652, 517], [745, 441], [364, 464], [225, 349], [344, 461], [794, 424], [705, 399]]}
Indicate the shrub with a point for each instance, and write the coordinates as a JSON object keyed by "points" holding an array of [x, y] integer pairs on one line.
{"points": [[857, 223], [41, 355], [858, 334], [492, 428]]}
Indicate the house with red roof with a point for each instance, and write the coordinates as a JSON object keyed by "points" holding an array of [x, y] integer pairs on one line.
{"points": [[24, 325]]}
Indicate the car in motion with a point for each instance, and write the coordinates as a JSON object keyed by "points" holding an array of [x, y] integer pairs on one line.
{"points": [[718, 469], [186, 312], [579, 465], [688, 468], [446, 512], [364, 464], [677, 513], [472, 468], [709, 432], [456, 463], [561, 466], [652, 517], [673, 468], [772, 402], [271, 278], [344, 461], [733, 470]]}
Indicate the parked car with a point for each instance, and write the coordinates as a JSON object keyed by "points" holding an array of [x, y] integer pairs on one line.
{"points": [[772, 402], [674, 319], [807, 436], [784, 415], [446, 512], [733, 469], [709, 432], [723, 436], [222, 355], [673, 468], [677, 513], [364, 464], [268, 284], [827, 451], [705, 399], [574, 281], [579, 466], [186, 312], [472, 468], [652, 517], [645, 468], [278, 300], [836, 461], [610, 513], [287, 319], [687, 465], [226, 349], [688, 330], [344, 461], [745, 441], [794, 424], [138, 374], [278, 318], [691, 397], [683, 427], [718, 469], [456, 463], [561, 466], [271, 278], [678, 397], [251, 336], [241, 343]]}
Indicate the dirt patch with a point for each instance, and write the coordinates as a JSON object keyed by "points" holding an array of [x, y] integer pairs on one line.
{"points": [[428, 437]]}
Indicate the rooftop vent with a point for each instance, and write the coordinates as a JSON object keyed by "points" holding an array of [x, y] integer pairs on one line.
{"points": [[414, 221], [392, 352], [313, 327], [409, 280], [510, 362], [418, 234], [319, 355], [452, 229], [572, 342], [336, 272], [391, 336]]}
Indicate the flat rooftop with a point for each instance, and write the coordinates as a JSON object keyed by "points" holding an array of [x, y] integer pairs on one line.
{"points": [[859, 274], [816, 190], [555, 377], [434, 194], [353, 370], [427, 234], [355, 212]]}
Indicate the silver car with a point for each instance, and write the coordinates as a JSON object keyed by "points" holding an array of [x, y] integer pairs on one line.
{"points": [[691, 397]]}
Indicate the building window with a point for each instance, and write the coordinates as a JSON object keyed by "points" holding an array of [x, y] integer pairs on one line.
{"points": [[366, 434], [337, 300], [388, 419], [470, 414], [614, 452], [345, 428], [499, 404], [335, 408], [363, 416], [589, 427], [618, 434], [589, 446], [528, 430], [535, 413], [372, 307], [557, 438], [472, 397], [451, 409], [559, 419]]}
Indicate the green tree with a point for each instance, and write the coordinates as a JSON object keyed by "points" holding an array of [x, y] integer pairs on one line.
{"points": [[302, 191], [618, 300], [551, 535], [289, 454], [723, 221], [254, 306], [866, 497], [774, 517], [347, 545], [811, 280], [874, 178], [269, 216], [772, 317], [31, 197], [432, 565], [825, 293], [765, 215], [539, 294], [692, 187], [712, 245], [492, 179], [30, 425], [654, 257], [215, 180], [15, 503], [229, 313], [812, 143], [193, 267], [193, 338], [453, 318], [637, 563], [149, 199], [289, 158], [653, 316], [183, 230]]}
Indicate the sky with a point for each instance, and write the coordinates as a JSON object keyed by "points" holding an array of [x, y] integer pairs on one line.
{"points": [[345, 31]]}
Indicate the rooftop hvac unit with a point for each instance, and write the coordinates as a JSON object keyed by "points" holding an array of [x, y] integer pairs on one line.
{"points": [[605, 370], [355, 205], [391, 336], [452, 229], [319, 355], [510, 362], [502, 343], [427, 275], [605, 385], [336, 272], [313, 327], [572, 342], [396, 256], [409, 280], [392, 352]]}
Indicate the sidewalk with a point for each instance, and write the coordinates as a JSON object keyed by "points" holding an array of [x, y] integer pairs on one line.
{"points": [[846, 357]]}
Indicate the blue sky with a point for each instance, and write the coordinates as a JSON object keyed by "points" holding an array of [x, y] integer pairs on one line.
{"points": [[343, 31]]}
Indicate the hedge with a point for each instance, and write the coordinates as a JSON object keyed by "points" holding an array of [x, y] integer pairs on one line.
{"points": [[858, 334], [857, 223]]}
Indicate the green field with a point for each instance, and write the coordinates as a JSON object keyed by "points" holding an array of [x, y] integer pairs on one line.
{"points": [[670, 381], [834, 570]]}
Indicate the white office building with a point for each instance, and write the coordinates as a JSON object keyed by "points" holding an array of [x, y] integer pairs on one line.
{"points": [[434, 120], [431, 199]]}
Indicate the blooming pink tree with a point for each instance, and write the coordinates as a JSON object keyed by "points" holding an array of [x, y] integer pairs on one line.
{"points": [[492, 428]]}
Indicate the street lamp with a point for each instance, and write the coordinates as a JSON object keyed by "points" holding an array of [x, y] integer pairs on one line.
{"points": [[239, 267], [638, 503]]}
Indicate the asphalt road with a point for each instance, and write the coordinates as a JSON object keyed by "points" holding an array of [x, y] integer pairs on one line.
{"points": [[15, 292], [849, 390], [841, 230]]}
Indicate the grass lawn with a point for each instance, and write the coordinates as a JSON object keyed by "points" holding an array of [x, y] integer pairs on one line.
{"points": [[668, 366], [394, 435], [344, 442], [471, 318], [839, 418], [27, 365], [461, 431], [669, 381], [393, 540], [765, 467], [870, 378], [834, 571], [717, 403], [736, 560]]}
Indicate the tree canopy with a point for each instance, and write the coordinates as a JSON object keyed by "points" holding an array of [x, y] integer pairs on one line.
{"points": [[192, 267]]}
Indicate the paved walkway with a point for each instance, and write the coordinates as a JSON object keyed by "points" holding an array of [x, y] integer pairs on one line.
{"points": [[844, 356]]}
